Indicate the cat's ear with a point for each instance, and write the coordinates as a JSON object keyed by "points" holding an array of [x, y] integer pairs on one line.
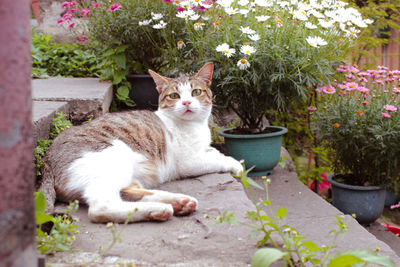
{"points": [[159, 80], [205, 73]]}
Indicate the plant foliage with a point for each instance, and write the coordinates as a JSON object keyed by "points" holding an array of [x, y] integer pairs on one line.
{"points": [[358, 118], [68, 60]]}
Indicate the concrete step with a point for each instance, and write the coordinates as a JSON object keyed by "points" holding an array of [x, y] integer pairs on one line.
{"points": [[196, 241], [80, 98]]}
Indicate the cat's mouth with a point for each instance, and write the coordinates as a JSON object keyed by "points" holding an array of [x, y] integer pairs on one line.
{"points": [[188, 111]]}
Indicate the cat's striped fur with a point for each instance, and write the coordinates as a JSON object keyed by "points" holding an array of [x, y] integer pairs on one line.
{"points": [[111, 162]]}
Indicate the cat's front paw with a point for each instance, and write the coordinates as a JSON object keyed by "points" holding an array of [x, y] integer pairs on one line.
{"points": [[233, 166]]}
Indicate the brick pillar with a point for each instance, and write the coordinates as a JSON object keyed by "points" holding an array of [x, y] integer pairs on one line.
{"points": [[17, 225]]}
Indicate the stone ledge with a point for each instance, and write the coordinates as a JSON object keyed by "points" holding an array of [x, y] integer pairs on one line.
{"points": [[87, 97], [43, 113]]}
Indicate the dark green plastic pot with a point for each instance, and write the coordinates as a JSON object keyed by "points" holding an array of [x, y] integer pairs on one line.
{"points": [[366, 202], [260, 150]]}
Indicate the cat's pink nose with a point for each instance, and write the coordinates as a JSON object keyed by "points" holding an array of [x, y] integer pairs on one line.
{"points": [[187, 103]]}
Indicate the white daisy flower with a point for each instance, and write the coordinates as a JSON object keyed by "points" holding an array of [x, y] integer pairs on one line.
{"points": [[224, 3], [243, 2], [300, 15], [156, 16], [145, 22], [180, 44], [315, 13], [244, 11], [194, 17], [229, 52], [198, 26], [264, 3], [160, 25], [325, 24], [247, 30], [254, 37], [316, 41], [247, 49], [231, 10], [243, 64], [222, 47], [310, 26], [262, 18]]}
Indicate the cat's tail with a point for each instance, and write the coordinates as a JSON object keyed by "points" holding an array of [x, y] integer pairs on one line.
{"points": [[46, 184]]}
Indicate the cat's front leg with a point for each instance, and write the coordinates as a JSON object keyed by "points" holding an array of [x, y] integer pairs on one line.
{"points": [[210, 161]]}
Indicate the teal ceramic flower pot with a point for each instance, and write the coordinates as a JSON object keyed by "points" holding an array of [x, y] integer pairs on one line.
{"points": [[260, 150], [367, 202]]}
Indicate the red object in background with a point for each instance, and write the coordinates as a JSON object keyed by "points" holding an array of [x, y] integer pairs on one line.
{"points": [[395, 230], [323, 186]]}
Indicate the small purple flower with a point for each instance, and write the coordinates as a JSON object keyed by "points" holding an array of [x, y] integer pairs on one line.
{"points": [[312, 108], [386, 115], [114, 7]]}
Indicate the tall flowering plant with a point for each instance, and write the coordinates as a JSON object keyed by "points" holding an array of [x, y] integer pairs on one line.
{"points": [[266, 53], [359, 118]]}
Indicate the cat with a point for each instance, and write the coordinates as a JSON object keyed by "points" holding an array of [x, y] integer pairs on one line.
{"points": [[112, 162]]}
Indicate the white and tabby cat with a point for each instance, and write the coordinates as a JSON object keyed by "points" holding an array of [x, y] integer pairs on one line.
{"points": [[110, 162]]}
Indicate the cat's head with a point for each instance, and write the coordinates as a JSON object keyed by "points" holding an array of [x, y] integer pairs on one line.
{"points": [[186, 97]]}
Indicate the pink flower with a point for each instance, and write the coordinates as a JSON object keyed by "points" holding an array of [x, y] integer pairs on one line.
{"points": [[73, 3], [386, 115], [396, 90], [354, 70], [114, 7], [390, 108], [71, 25], [67, 16], [341, 70], [96, 5], [81, 38], [363, 89], [312, 108], [66, 4], [395, 206], [60, 21], [85, 12], [72, 10], [328, 90], [351, 86]]}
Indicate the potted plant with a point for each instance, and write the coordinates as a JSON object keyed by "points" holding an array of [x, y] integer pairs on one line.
{"points": [[359, 119], [267, 54], [113, 29]]}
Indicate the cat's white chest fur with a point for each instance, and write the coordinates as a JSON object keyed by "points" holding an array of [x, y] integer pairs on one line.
{"points": [[186, 143]]}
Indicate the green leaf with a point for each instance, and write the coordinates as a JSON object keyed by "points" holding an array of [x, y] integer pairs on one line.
{"points": [[356, 256], [120, 60], [40, 202], [264, 257], [42, 218], [281, 212], [311, 246], [123, 91]]}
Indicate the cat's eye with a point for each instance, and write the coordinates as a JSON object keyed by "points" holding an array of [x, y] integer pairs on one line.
{"points": [[196, 92], [174, 96]]}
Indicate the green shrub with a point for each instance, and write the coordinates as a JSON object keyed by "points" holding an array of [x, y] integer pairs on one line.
{"points": [[69, 60]]}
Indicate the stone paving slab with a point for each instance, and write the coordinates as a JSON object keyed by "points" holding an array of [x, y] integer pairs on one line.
{"points": [[181, 241], [43, 113], [86, 96]]}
